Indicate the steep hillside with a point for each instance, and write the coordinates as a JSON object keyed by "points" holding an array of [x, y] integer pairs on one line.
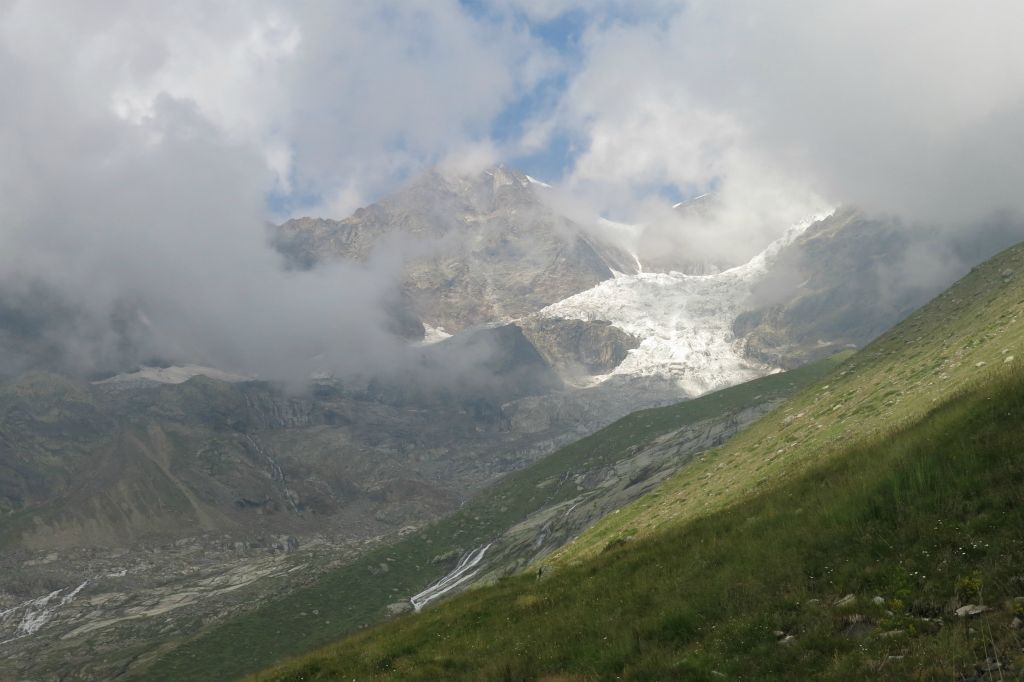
{"points": [[856, 530], [972, 326], [840, 284], [898, 558], [133, 508], [523, 516], [850, 277], [109, 465], [161, 469]]}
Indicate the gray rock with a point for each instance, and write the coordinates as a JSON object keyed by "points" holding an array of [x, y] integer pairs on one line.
{"points": [[493, 250], [847, 600], [971, 610], [838, 285], [578, 347]]}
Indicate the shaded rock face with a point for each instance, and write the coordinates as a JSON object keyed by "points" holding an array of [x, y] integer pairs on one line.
{"points": [[479, 369], [603, 489], [109, 465], [849, 278], [487, 248], [824, 292], [579, 347]]}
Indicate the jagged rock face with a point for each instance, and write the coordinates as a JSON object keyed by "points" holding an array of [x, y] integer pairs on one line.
{"points": [[850, 277], [836, 286], [491, 249], [579, 347], [607, 488]]}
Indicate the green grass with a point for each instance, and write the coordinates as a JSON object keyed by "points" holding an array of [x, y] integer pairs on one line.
{"points": [[894, 383], [926, 516], [356, 595], [975, 325]]}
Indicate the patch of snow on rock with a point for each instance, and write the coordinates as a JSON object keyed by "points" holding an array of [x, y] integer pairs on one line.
{"points": [[433, 335], [29, 617], [174, 375]]}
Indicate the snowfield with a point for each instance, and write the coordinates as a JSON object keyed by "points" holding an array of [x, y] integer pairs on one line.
{"points": [[432, 335], [684, 321], [173, 375], [28, 617]]}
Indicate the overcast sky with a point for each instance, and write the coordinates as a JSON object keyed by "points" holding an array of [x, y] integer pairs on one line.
{"points": [[142, 144], [894, 104]]}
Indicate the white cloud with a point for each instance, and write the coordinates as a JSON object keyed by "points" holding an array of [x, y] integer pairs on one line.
{"points": [[471, 158], [644, 129], [138, 142], [914, 107], [340, 97]]}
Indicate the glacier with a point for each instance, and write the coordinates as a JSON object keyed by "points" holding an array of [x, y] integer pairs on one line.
{"points": [[684, 321]]}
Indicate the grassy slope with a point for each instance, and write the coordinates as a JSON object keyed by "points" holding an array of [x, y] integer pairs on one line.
{"points": [[959, 464], [925, 517], [894, 380], [356, 594]]}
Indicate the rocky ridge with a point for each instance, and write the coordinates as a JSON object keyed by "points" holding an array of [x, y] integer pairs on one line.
{"points": [[486, 248]]}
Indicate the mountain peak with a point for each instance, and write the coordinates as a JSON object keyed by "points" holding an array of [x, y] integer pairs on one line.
{"points": [[698, 206], [494, 176]]}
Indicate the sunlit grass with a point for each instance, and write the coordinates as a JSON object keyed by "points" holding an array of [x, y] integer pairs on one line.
{"points": [[856, 485], [961, 335], [925, 517], [356, 595]]}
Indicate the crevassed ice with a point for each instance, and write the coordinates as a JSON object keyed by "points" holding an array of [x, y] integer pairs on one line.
{"points": [[684, 321]]}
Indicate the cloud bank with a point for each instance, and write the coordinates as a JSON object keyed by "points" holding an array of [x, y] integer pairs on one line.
{"points": [[139, 143], [144, 145], [914, 108]]}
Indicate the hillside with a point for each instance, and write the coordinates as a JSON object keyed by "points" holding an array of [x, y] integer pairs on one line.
{"points": [[132, 509], [182, 494], [896, 477], [523, 516], [895, 380], [860, 569]]}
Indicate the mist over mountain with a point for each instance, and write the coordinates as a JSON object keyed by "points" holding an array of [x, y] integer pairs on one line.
{"points": [[284, 286], [492, 249]]}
